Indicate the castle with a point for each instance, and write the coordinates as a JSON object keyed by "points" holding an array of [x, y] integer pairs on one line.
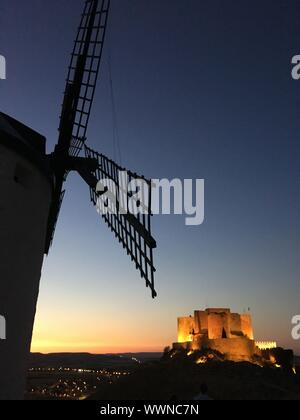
{"points": [[218, 329]]}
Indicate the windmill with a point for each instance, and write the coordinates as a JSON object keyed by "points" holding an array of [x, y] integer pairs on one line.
{"points": [[133, 232], [38, 181]]}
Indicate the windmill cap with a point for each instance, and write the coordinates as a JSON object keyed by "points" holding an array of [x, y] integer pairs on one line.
{"points": [[21, 132], [25, 141]]}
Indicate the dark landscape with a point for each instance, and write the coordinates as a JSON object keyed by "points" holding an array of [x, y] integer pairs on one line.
{"points": [[75, 376], [151, 376]]}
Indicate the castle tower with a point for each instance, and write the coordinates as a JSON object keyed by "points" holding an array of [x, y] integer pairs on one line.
{"points": [[26, 191]]}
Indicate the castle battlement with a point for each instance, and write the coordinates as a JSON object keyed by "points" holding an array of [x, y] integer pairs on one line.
{"points": [[266, 345]]}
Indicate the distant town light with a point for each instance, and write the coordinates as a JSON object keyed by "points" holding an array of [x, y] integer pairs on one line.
{"points": [[201, 360]]}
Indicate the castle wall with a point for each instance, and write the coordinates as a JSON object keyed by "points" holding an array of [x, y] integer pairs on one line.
{"points": [[218, 323], [217, 311], [246, 325], [235, 325], [235, 349], [186, 326], [181, 346], [201, 322]]}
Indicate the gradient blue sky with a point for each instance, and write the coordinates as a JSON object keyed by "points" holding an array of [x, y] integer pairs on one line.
{"points": [[203, 90]]}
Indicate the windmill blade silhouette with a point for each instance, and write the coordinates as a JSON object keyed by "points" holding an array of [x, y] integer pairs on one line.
{"points": [[133, 230], [88, 48], [78, 99]]}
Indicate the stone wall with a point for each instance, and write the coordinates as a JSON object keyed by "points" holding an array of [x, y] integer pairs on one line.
{"points": [[235, 349], [246, 324], [201, 322], [218, 326], [186, 327], [235, 325]]}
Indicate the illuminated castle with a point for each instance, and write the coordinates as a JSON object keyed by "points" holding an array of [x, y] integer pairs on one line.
{"points": [[218, 329]]}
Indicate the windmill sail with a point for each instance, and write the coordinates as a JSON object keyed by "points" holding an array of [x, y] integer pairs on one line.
{"points": [[86, 57], [132, 230], [78, 99]]}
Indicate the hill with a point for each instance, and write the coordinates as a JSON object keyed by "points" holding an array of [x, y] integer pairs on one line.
{"points": [[182, 379], [89, 361]]}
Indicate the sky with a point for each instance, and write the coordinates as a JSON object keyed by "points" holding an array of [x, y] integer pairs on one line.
{"points": [[203, 90]]}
